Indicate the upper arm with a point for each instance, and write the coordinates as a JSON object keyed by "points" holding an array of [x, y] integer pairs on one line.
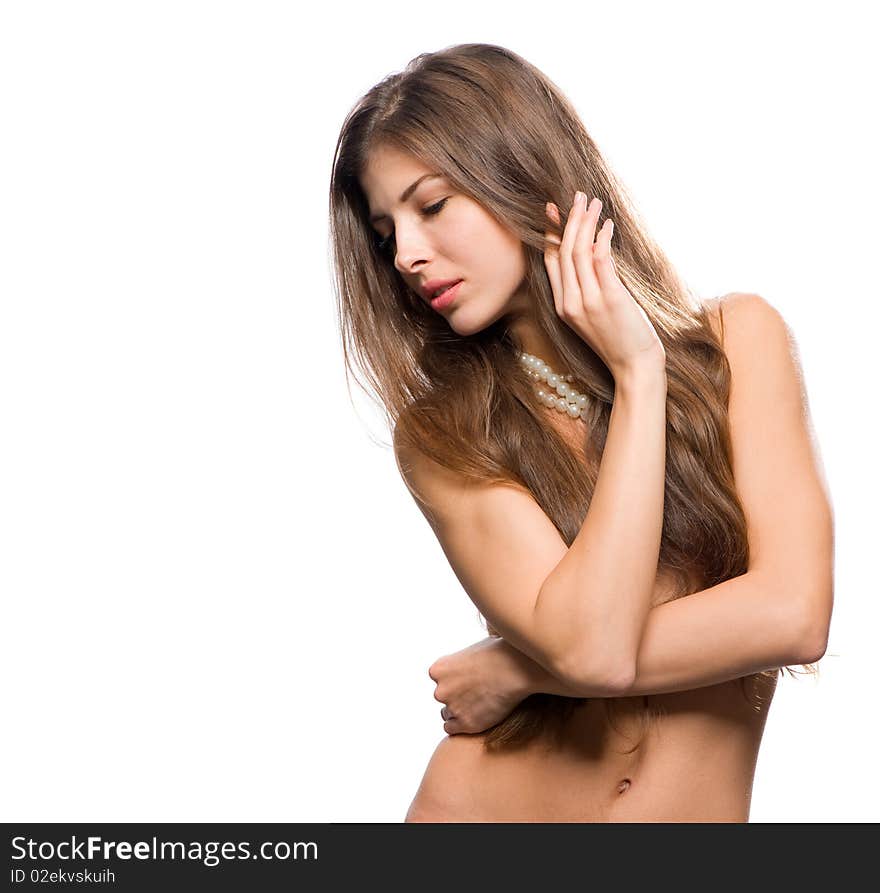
{"points": [[498, 541], [776, 463]]}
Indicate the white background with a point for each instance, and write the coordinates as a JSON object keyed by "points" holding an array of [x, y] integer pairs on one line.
{"points": [[219, 600]]}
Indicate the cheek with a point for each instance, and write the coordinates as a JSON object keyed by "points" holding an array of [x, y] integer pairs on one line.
{"points": [[488, 246]]}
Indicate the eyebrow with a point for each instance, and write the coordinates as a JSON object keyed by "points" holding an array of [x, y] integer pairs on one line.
{"points": [[374, 218]]}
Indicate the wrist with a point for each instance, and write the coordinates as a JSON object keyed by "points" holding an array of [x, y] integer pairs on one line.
{"points": [[647, 378], [520, 671]]}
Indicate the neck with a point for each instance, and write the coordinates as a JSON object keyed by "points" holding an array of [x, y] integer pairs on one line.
{"points": [[532, 340]]}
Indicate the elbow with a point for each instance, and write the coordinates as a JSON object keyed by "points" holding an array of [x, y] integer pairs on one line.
{"points": [[813, 641], [814, 626], [814, 653], [623, 681], [597, 679]]}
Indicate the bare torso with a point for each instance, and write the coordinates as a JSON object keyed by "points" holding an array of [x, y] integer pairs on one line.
{"points": [[696, 763]]}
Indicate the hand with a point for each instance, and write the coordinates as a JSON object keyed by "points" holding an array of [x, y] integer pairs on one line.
{"points": [[479, 685], [589, 296]]}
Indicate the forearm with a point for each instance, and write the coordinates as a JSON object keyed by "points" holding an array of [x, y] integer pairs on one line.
{"points": [[595, 602], [522, 676], [744, 625]]}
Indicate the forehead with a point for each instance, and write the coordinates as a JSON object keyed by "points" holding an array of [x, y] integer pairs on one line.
{"points": [[387, 176]]}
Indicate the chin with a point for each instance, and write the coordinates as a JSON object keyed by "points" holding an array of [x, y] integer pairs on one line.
{"points": [[464, 321], [464, 326]]}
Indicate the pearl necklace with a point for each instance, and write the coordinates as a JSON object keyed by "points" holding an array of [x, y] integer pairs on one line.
{"points": [[569, 400]]}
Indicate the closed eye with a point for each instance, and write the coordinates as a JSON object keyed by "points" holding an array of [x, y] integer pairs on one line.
{"points": [[383, 244]]}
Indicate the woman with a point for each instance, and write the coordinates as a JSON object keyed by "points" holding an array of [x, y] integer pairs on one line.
{"points": [[620, 475]]}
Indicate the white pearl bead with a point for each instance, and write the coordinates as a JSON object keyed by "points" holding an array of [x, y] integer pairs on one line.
{"points": [[569, 401]]}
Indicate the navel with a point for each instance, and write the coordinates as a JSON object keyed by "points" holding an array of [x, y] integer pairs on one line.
{"points": [[623, 785]]}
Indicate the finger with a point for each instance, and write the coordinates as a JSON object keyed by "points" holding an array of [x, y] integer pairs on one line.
{"points": [[551, 258], [583, 254], [603, 261], [571, 290], [553, 213]]}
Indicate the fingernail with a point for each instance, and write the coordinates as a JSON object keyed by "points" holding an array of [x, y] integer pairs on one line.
{"points": [[579, 198]]}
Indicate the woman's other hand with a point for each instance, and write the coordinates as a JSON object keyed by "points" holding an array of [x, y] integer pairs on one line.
{"points": [[479, 686], [589, 296]]}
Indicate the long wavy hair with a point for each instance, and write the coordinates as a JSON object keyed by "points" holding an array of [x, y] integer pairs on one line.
{"points": [[507, 137]]}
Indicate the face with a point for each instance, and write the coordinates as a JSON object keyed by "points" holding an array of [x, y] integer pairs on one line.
{"points": [[437, 233]]}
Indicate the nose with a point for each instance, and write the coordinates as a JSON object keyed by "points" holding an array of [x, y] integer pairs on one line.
{"points": [[410, 250]]}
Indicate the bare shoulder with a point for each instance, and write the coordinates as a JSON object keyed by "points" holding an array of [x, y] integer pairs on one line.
{"points": [[761, 346], [745, 310], [455, 504], [441, 493], [765, 368]]}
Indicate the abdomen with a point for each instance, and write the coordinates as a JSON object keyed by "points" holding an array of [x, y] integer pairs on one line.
{"points": [[696, 763]]}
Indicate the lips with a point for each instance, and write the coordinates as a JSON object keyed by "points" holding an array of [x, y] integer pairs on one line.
{"points": [[430, 289], [445, 298]]}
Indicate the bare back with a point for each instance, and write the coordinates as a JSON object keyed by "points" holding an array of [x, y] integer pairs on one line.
{"points": [[696, 762]]}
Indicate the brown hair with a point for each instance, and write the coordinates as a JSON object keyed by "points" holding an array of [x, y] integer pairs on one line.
{"points": [[505, 135]]}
